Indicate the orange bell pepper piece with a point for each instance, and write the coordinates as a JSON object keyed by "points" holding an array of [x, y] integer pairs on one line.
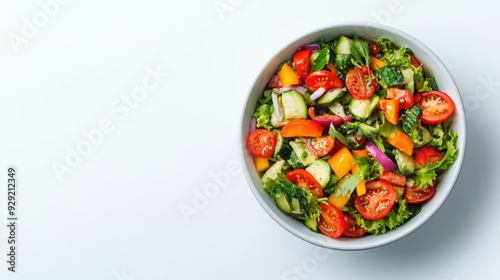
{"points": [[261, 164], [360, 153], [390, 108], [376, 64], [302, 128], [287, 76], [342, 162], [401, 142]]}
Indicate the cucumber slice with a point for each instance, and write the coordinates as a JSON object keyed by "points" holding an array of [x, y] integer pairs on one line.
{"points": [[311, 224], [321, 171], [408, 77], [406, 164], [343, 45], [305, 157], [273, 171], [330, 97], [294, 105], [282, 203], [283, 149], [362, 109], [337, 109], [392, 76]]}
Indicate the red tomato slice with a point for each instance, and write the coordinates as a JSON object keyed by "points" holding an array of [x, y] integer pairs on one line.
{"points": [[405, 97], [360, 83], [427, 155], [302, 63], [414, 61], [378, 200], [323, 79], [331, 222], [261, 143], [436, 106], [417, 195], [352, 229], [274, 82], [305, 180], [373, 47], [393, 178], [320, 146]]}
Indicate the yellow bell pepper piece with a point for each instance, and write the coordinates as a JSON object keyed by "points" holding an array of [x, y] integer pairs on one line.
{"points": [[376, 64], [339, 201], [287, 76], [261, 164], [342, 162], [360, 188]]}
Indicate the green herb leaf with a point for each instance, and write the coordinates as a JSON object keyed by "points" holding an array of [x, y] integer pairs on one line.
{"points": [[320, 59], [337, 135]]}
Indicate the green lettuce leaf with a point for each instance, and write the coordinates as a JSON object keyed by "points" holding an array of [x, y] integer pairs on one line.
{"points": [[400, 213], [263, 116], [397, 57], [386, 45], [321, 59]]}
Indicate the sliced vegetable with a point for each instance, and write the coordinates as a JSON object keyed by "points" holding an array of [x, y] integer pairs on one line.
{"points": [[287, 76], [318, 93], [406, 164], [391, 76], [342, 162], [277, 107], [321, 171], [377, 202], [404, 97], [362, 109], [304, 180], [393, 179], [301, 157], [427, 155], [294, 105], [320, 146], [391, 110], [412, 118], [417, 195], [261, 143], [380, 156], [323, 79], [352, 229], [437, 106], [330, 97], [360, 83], [332, 221], [302, 128], [302, 63], [377, 64], [343, 45], [261, 164], [328, 119], [401, 142], [273, 171]]}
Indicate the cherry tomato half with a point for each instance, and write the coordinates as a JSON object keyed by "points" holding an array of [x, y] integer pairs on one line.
{"points": [[360, 83], [373, 47], [414, 61], [378, 200], [305, 180], [274, 82], [393, 179], [436, 106], [417, 195], [352, 229], [261, 143], [320, 146], [323, 79], [405, 97], [302, 63], [331, 222], [427, 155]]}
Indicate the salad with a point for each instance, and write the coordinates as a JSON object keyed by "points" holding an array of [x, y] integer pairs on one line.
{"points": [[350, 136]]}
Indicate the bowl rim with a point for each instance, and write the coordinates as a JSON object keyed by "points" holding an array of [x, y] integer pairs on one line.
{"points": [[396, 235]]}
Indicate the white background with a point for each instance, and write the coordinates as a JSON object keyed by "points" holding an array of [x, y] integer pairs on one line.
{"points": [[116, 214]]}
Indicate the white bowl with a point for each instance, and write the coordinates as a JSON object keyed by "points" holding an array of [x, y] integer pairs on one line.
{"points": [[432, 65]]}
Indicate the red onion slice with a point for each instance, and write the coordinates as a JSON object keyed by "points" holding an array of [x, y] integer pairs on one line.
{"points": [[380, 156]]}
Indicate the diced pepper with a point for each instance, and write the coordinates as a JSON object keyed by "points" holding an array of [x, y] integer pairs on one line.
{"points": [[302, 128], [360, 153], [332, 68], [342, 162], [261, 164], [287, 76], [401, 142], [390, 108], [377, 64], [360, 188], [339, 201]]}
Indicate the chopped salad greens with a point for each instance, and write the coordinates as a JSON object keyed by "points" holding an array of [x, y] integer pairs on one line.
{"points": [[351, 136]]}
